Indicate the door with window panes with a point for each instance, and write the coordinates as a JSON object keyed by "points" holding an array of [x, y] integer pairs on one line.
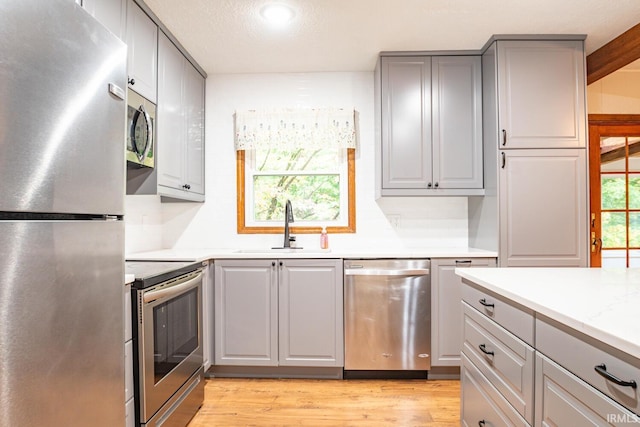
{"points": [[615, 191]]}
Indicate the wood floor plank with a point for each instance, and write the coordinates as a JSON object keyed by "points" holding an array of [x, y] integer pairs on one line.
{"points": [[294, 402]]}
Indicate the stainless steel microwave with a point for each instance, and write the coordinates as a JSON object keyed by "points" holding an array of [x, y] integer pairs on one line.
{"points": [[141, 118]]}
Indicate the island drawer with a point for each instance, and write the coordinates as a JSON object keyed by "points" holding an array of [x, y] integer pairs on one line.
{"points": [[565, 400], [513, 318], [506, 361], [596, 363], [481, 404]]}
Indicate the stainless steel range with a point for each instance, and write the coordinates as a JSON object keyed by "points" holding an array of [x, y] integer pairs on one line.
{"points": [[167, 334]]}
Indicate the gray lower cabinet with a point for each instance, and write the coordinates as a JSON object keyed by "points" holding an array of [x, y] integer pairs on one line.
{"points": [[429, 125], [494, 354], [446, 312], [279, 312], [562, 399], [563, 379], [180, 127]]}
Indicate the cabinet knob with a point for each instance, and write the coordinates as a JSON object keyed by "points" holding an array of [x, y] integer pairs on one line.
{"points": [[186, 187], [429, 185], [280, 263], [131, 81], [436, 185], [273, 263]]}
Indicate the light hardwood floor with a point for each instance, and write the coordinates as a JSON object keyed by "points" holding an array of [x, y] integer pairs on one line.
{"points": [[294, 402]]}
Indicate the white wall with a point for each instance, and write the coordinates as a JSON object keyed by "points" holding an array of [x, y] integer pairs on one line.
{"points": [[426, 222]]}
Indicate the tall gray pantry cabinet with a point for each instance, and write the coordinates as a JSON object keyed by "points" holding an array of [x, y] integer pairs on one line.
{"points": [[278, 313], [535, 208]]}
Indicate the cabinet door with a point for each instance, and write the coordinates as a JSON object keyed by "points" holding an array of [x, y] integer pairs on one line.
{"points": [[311, 313], [562, 399], [541, 94], [171, 122], [543, 208], [457, 121], [246, 322], [406, 122], [142, 55], [194, 127], [110, 13], [446, 308]]}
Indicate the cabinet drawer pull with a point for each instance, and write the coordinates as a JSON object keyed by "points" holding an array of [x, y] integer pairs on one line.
{"points": [[602, 370], [484, 302], [504, 137], [463, 261], [483, 349], [504, 160]]}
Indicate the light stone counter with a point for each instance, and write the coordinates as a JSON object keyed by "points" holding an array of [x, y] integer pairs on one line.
{"points": [[262, 253], [601, 303]]}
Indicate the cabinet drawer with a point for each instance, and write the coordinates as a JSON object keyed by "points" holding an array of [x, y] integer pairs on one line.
{"points": [[565, 400], [506, 361], [562, 344], [482, 402], [511, 317]]}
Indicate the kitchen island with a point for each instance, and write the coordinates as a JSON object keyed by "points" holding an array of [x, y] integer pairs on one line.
{"points": [[550, 346]]}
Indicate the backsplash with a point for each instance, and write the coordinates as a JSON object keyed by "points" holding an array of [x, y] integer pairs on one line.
{"points": [[398, 222]]}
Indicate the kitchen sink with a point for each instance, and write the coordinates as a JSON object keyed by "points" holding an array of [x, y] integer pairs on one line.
{"points": [[283, 250]]}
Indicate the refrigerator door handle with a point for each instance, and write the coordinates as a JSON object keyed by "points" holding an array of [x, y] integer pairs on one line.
{"points": [[116, 91]]}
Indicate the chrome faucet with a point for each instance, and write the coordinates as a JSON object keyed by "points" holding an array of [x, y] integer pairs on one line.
{"points": [[288, 217]]}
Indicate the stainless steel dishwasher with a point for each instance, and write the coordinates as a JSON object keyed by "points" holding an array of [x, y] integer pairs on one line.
{"points": [[387, 314]]}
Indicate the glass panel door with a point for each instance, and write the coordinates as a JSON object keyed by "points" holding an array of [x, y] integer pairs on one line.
{"points": [[615, 195]]}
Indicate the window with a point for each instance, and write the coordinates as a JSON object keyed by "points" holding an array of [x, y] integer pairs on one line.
{"points": [[316, 173]]}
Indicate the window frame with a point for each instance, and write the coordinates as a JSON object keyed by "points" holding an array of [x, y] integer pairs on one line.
{"points": [[243, 228]]}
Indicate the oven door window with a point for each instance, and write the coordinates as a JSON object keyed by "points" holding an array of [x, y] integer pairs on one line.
{"points": [[175, 332]]}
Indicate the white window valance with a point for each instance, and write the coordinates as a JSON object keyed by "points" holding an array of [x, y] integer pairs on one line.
{"points": [[301, 127]]}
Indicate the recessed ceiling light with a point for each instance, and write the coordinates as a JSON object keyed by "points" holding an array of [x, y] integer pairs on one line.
{"points": [[277, 14]]}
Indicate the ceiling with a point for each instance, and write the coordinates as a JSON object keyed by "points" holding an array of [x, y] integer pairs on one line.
{"points": [[230, 36]]}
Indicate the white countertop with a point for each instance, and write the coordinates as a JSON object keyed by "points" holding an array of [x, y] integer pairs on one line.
{"points": [[129, 278], [602, 303], [261, 253]]}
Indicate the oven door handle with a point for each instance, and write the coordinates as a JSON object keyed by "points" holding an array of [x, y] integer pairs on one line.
{"points": [[172, 290]]}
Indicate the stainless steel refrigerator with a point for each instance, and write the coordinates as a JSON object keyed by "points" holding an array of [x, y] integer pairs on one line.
{"points": [[62, 128]]}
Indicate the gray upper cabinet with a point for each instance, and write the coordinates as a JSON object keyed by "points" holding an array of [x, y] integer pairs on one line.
{"points": [[406, 123], [180, 125], [279, 313], [110, 13], [456, 101], [430, 125], [541, 93], [142, 44]]}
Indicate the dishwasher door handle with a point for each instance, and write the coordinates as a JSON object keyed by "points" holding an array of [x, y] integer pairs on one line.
{"points": [[386, 272]]}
